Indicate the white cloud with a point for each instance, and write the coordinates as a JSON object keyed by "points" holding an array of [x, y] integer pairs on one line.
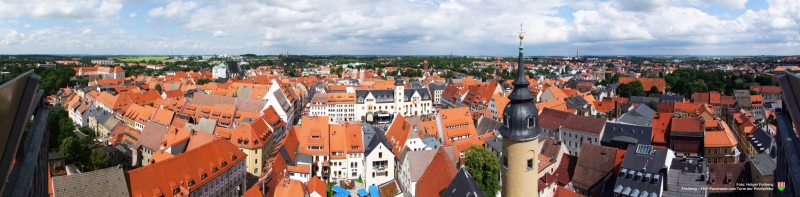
{"points": [[28, 25], [220, 33], [59, 9], [411, 27], [174, 9], [732, 4]]}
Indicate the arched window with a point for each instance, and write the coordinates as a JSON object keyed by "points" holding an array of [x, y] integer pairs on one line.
{"points": [[506, 120]]}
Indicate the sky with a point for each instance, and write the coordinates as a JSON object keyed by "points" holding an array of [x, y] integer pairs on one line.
{"points": [[400, 27]]}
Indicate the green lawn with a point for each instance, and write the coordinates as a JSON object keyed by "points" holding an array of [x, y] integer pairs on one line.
{"points": [[140, 58]]}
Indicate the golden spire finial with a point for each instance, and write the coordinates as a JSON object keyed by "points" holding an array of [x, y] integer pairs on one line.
{"points": [[521, 33]]}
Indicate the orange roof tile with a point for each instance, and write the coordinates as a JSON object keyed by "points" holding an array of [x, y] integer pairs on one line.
{"points": [[397, 134], [163, 116], [646, 82], [315, 184], [313, 133], [661, 123], [437, 176], [184, 168], [553, 104], [687, 124], [456, 123], [722, 138]]}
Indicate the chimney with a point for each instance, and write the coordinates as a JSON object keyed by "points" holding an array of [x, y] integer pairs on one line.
{"points": [[616, 107]]}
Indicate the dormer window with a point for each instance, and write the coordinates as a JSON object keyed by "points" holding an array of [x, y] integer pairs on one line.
{"points": [[191, 182], [531, 121], [506, 120], [214, 170], [224, 163], [176, 190]]}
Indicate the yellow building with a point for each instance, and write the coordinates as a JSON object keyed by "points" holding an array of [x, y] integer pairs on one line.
{"points": [[720, 144]]}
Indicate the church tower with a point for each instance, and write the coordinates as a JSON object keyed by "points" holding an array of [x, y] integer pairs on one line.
{"points": [[520, 132]]}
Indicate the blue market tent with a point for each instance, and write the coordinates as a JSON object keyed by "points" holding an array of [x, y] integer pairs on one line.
{"points": [[362, 192], [373, 191]]}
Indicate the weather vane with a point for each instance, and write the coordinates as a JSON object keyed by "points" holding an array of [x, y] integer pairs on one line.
{"points": [[521, 32]]}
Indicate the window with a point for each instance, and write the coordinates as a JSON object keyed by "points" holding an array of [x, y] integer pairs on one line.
{"points": [[256, 161], [176, 190], [214, 169], [224, 163], [530, 164], [709, 151], [506, 120], [255, 171], [233, 158], [191, 182], [505, 161], [531, 122], [715, 151], [380, 155], [203, 176]]}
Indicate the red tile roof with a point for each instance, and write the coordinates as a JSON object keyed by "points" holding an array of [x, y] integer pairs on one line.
{"points": [[175, 173], [437, 176], [647, 83], [456, 122], [552, 119]]}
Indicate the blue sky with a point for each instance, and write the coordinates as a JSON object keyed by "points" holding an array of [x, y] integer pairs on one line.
{"points": [[400, 27]]}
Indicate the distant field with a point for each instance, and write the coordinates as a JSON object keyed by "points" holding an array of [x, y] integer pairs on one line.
{"points": [[145, 58]]}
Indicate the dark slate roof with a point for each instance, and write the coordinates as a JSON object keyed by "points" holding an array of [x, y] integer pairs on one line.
{"points": [[100, 115], [463, 185], [487, 125], [643, 111], [642, 160], [671, 99], [436, 86], [761, 137], [621, 135], [495, 143], [233, 67], [416, 85], [286, 157], [423, 93], [372, 137], [764, 164], [381, 96], [634, 120], [686, 173], [644, 100], [109, 181], [576, 102], [54, 155]]}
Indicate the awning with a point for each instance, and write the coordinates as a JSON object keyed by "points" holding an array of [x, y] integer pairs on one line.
{"points": [[362, 192], [340, 191], [373, 191]]}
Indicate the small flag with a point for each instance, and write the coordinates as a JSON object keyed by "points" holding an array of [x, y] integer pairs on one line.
{"points": [[781, 185]]}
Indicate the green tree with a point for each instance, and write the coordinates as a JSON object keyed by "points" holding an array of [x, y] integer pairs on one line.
{"points": [[73, 151], [99, 159], [653, 90], [88, 132], [203, 81], [638, 88], [653, 105], [484, 168], [753, 92], [158, 87], [625, 90]]}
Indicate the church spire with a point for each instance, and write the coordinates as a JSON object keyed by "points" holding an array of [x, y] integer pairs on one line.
{"points": [[520, 92], [520, 115]]}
